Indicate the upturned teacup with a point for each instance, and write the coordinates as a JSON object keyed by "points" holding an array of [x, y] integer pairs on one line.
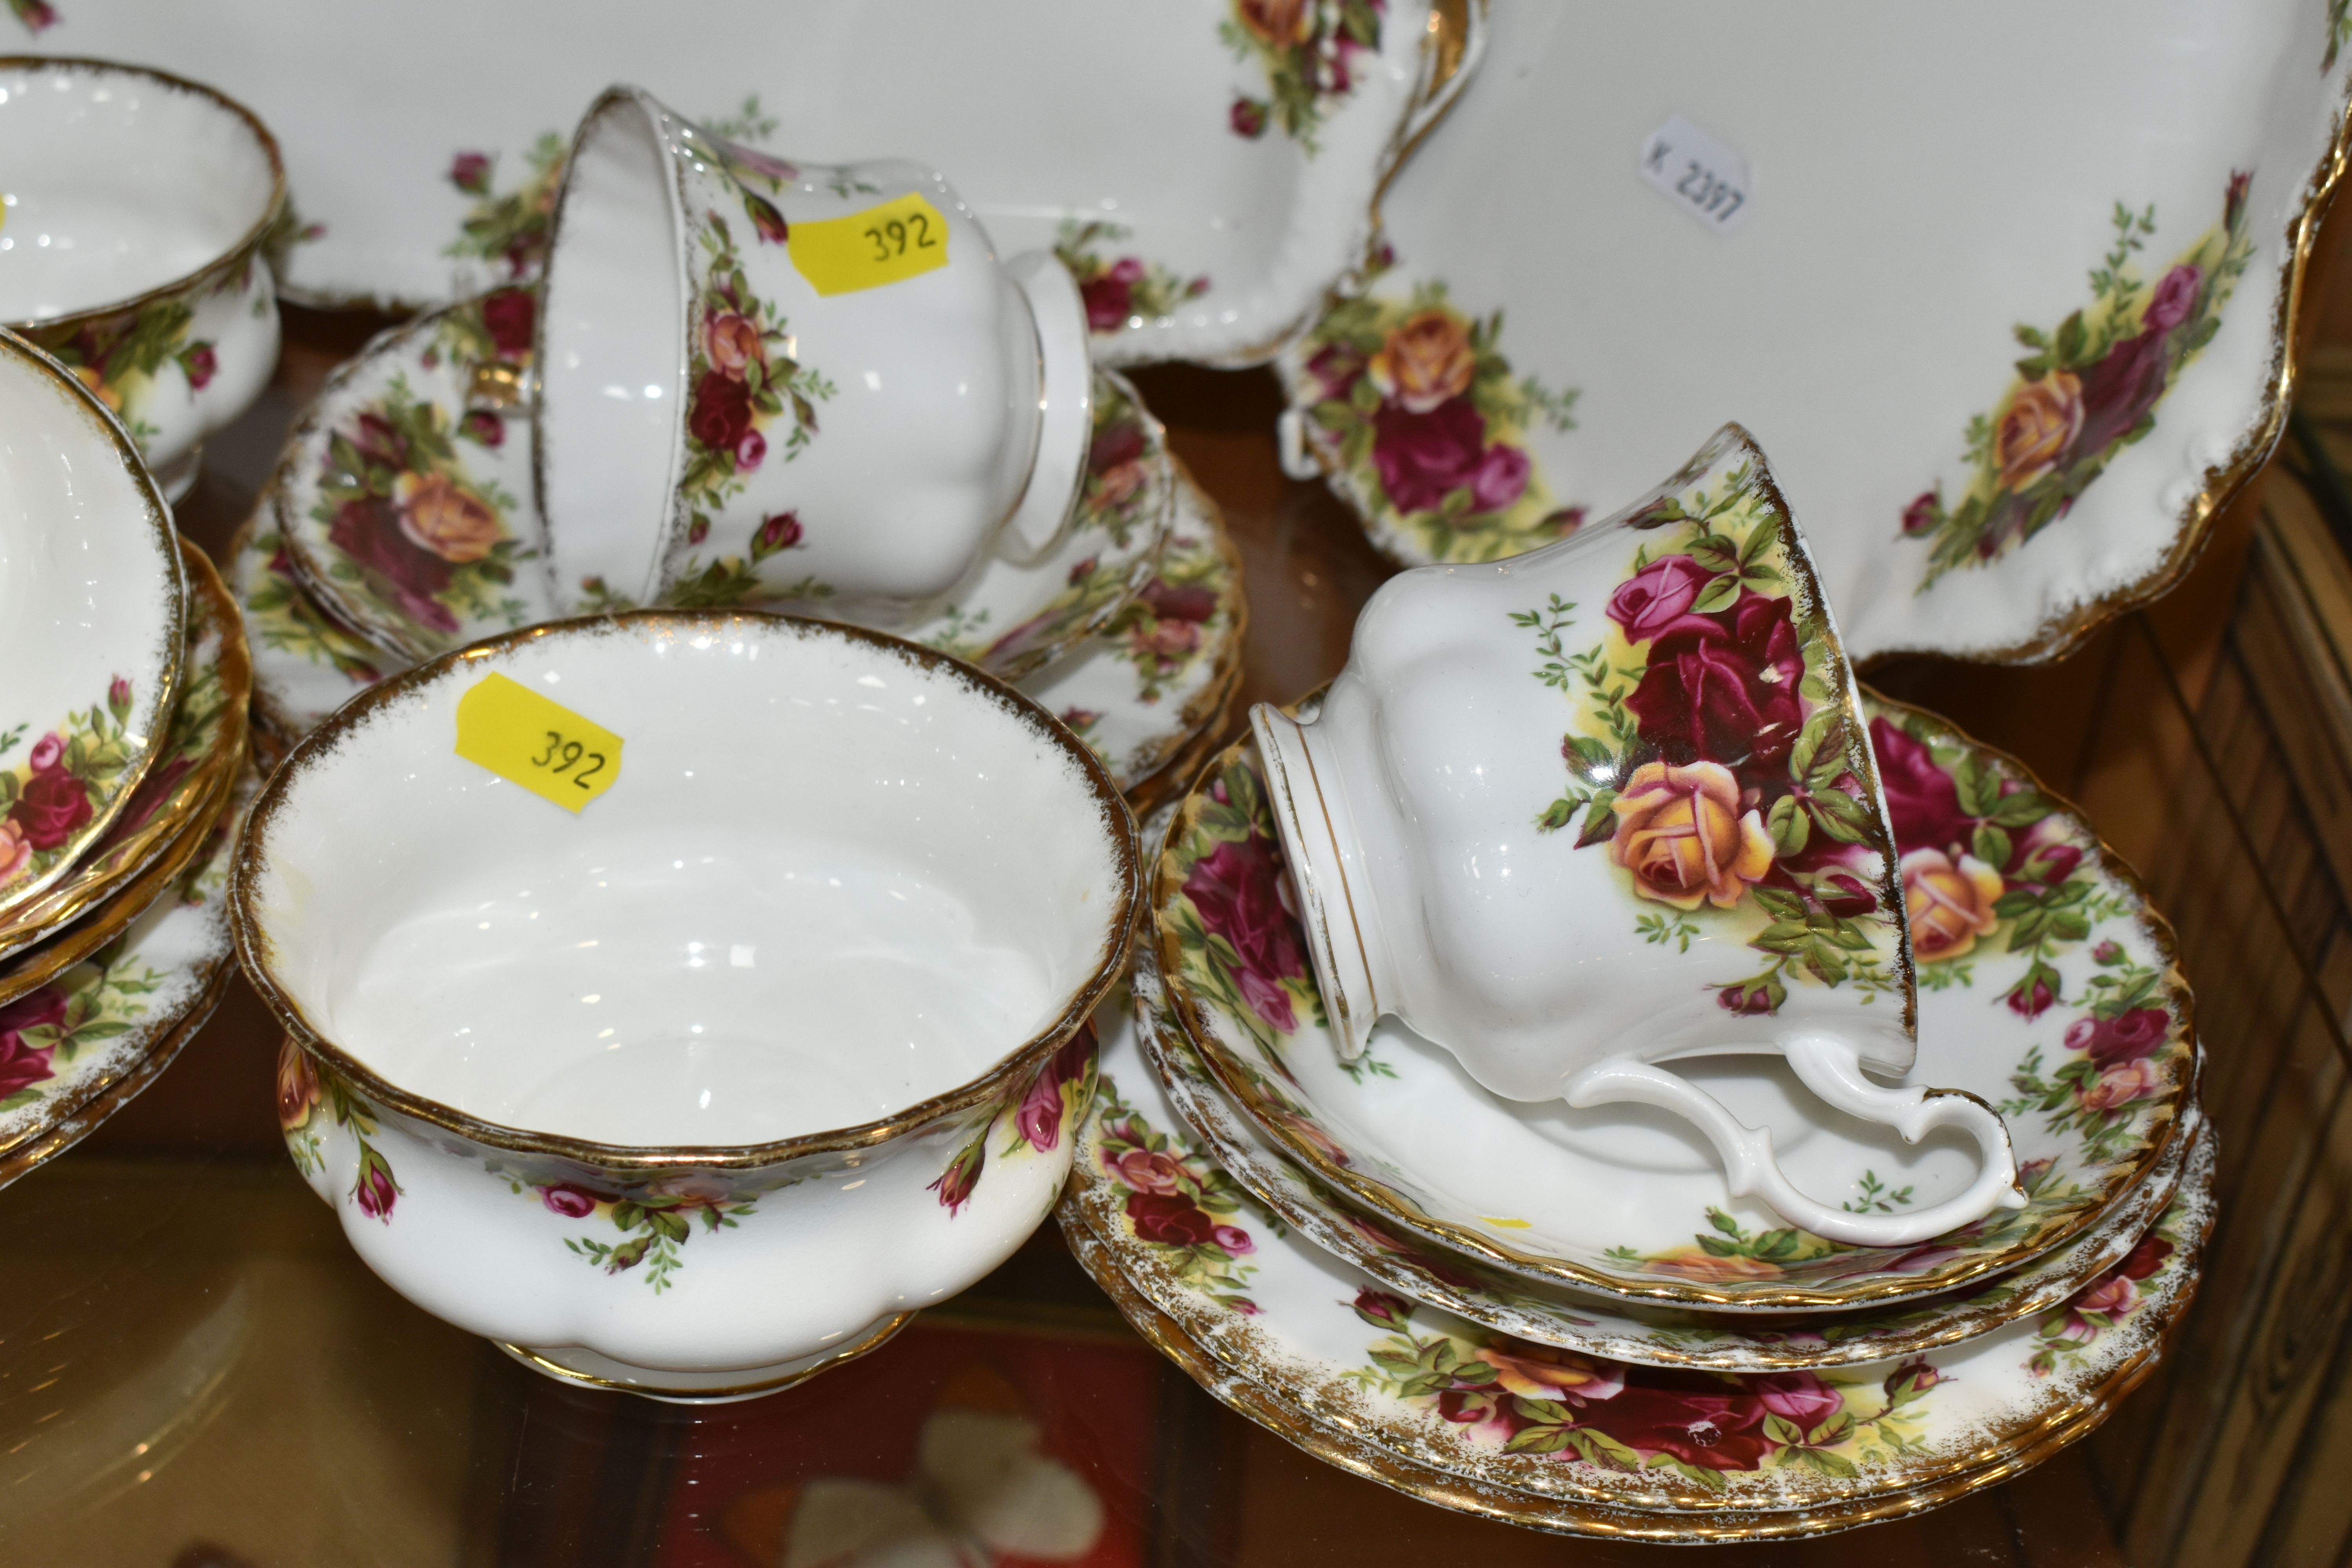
{"points": [[1612, 803], [774, 1040], [764, 382], [134, 210]]}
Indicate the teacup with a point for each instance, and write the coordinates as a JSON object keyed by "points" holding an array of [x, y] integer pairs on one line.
{"points": [[763, 384], [136, 209], [776, 1039], [1612, 802]]}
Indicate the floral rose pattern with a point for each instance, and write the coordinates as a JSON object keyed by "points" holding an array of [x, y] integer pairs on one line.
{"points": [[409, 525], [304, 1086], [1414, 407], [1128, 291], [1177, 1202], [120, 356], [509, 229], [48, 799], [1526, 1398], [1237, 919], [653, 1226], [37, 15], [280, 615], [2084, 390], [1709, 755], [1307, 49], [2068, 1330], [740, 380], [1035, 1116]]}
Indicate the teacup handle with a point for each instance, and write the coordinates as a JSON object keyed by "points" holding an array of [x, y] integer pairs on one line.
{"points": [[1831, 1069]]}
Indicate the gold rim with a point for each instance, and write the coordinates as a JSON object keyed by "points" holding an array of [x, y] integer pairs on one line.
{"points": [[175, 630], [1359, 1457], [1958, 1321], [1018, 1066], [78, 1118], [1237, 1084], [875, 1340], [215, 774], [236, 256]]}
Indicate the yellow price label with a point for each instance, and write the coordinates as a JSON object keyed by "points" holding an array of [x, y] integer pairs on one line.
{"points": [[900, 239], [536, 742]]}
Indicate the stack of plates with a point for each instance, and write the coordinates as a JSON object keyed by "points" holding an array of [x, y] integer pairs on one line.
{"points": [[1130, 629], [1563, 1318], [123, 743]]}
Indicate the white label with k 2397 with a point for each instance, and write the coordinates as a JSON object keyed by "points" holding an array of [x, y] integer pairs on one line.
{"points": [[1699, 173]]}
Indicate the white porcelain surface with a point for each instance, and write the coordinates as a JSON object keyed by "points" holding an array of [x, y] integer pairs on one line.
{"points": [[91, 619], [132, 209], [821, 954], [1442, 894], [698, 386], [1136, 128], [1918, 187]]}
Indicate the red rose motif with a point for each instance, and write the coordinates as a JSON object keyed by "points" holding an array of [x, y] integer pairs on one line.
{"points": [[2174, 298], [719, 416], [780, 531], [1501, 478], [375, 1191], [367, 531], [2146, 1258], [570, 1201], [1168, 1221], [1722, 688], [508, 315], [1237, 891], [1115, 446], [1923, 805], [201, 364], [1699, 1420], [2129, 1037], [1336, 369], [470, 172], [1846, 895], [54, 803], [1657, 597], [2030, 1002], [1422, 457], [1039, 1119], [766, 219], [1920, 516], [22, 1065], [1171, 603], [1246, 117], [484, 427], [1383, 1309]]}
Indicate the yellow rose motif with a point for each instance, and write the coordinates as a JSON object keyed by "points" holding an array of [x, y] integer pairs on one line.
{"points": [[2042, 421], [1277, 21], [1426, 361], [15, 849], [1949, 903], [1681, 833], [441, 515], [1698, 1263], [1540, 1371], [90, 375]]}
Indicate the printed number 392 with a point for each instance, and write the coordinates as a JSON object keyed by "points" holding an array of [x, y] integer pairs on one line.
{"points": [[891, 240], [562, 755]]}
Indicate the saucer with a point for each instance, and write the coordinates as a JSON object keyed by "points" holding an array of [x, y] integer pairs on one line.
{"points": [[1165, 669], [1595, 1325], [202, 754], [1153, 684], [1619, 1202], [2009, 405], [405, 505], [1226, 143], [92, 622], [1316, 1352], [84, 1042]]}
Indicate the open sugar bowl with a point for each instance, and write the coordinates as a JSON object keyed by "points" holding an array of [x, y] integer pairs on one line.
{"points": [[134, 210], [777, 1034]]}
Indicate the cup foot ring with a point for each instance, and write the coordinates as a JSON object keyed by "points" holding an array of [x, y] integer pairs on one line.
{"points": [[584, 1368]]}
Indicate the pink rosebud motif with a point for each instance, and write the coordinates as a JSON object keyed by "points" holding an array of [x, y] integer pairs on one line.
{"points": [[2030, 999], [2174, 298], [1168, 603], [1039, 1118], [2125, 1083], [1079, 717], [48, 751], [1564, 522], [1917, 1376], [1383, 1310], [1747, 1000], [1921, 516], [1247, 118], [570, 1201], [2233, 199], [1234, 1239], [1657, 597], [749, 452], [766, 219], [1082, 571], [1146, 1170], [375, 1191], [1846, 895], [117, 696], [780, 531], [200, 364], [470, 172], [2107, 952], [484, 429], [699, 530]]}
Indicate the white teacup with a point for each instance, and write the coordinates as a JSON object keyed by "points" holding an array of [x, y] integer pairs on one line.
{"points": [[137, 207], [776, 1040], [1612, 803], [763, 383]]}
